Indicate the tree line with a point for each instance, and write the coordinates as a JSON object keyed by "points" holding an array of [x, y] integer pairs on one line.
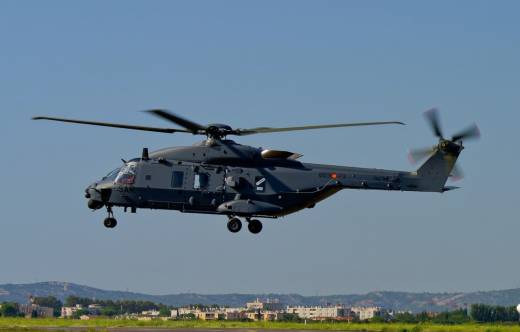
{"points": [[484, 313], [480, 313], [119, 307]]}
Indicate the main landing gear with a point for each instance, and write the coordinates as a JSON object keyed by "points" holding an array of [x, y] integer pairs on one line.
{"points": [[234, 225], [110, 221]]}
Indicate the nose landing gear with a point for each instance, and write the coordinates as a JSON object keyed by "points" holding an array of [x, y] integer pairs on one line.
{"points": [[110, 221]]}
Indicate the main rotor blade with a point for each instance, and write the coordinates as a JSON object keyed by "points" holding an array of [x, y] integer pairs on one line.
{"points": [[264, 130], [468, 133], [416, 155], [114, 125], [193, 127], [432, 116]]}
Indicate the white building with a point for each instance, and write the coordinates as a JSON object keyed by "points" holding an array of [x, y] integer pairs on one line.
{"points": [[186, 311], [365, 313], [68, 312], [150, 313], [317, 313], [268, 304]]}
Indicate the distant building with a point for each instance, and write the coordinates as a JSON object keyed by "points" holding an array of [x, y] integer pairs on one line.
{"points": [[186, 311], [94, 309], [271, 315], [67, 312], [268, 304], [318, 313], [233, 314], [30, 310], [365, 313], [150, 313], [253, 315], [207, 315]]}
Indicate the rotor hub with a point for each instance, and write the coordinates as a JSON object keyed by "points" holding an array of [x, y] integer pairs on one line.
{"points": [[450, 147], [218, 130]]}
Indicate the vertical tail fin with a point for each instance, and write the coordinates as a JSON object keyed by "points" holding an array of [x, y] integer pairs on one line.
{"points": [[434, 172]]}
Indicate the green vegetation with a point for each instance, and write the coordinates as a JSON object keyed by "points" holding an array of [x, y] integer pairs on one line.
{"points": [[483, 313], [33, 324], [9, 309], [445, 318], [112, 308]]}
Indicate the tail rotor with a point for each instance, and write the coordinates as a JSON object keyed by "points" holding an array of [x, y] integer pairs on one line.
{"points": [[451, 146]]}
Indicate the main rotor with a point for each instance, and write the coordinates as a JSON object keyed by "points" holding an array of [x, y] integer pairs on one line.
{"points": [[212, 131]]}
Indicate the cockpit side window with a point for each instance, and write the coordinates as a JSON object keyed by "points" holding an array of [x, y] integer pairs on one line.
{"points": [[127, 174]]}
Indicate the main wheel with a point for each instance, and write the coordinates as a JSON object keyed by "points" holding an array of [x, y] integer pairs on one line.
{"points": [[254, 226], [110, 222], [234, 225]]}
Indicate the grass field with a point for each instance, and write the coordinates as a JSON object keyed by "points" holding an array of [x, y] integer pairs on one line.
{"points": [[21, 324]]}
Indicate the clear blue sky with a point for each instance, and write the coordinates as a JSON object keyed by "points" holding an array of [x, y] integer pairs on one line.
{"points": [[268, 63]]}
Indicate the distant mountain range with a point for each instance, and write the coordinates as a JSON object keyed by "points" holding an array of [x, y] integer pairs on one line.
{"points": [[415, 302]]}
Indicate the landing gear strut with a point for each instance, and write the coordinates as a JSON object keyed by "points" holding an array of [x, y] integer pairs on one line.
{"points": [[234, 225], [110, 221]]}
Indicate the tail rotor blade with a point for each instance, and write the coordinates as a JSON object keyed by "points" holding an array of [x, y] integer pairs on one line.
{"points": [[416, 155], [456, 173], [472, 132], [432, 116]]}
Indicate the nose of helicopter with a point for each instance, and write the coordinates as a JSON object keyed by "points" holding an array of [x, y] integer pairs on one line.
{"points": [[97, 195]]}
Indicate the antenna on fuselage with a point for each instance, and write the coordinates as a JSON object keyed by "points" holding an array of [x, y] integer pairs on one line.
{"points": [[144, 155]]}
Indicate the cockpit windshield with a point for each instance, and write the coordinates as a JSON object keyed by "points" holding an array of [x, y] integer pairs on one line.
{"points": [[127, 174], [112, 175]]}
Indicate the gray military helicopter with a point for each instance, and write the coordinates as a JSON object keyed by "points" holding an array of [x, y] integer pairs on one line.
{"points": [[220, 176]]}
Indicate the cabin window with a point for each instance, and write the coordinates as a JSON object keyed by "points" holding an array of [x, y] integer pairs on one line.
{"points": [[200, 180], [177, 179]]}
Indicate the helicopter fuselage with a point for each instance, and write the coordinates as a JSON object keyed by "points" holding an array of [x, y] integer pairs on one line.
{"points": [[223, 177]]}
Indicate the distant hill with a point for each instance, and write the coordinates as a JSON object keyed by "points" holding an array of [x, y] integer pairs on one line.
{"points": [[396, 300]]}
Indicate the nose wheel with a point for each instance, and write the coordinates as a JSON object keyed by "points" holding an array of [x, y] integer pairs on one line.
{"points": [[110, 221]]}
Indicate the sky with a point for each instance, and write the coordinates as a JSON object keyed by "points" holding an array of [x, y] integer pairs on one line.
{"points": [[252, 64]]}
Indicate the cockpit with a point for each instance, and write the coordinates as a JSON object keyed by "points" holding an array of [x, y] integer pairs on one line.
{"points": [[126, 175], [111, 176]]}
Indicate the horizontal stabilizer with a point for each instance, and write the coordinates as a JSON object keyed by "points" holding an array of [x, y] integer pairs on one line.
{"points": [[448, 188]]}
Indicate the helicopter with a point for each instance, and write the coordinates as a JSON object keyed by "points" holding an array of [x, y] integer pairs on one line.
{"points": [[221, 177]]}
